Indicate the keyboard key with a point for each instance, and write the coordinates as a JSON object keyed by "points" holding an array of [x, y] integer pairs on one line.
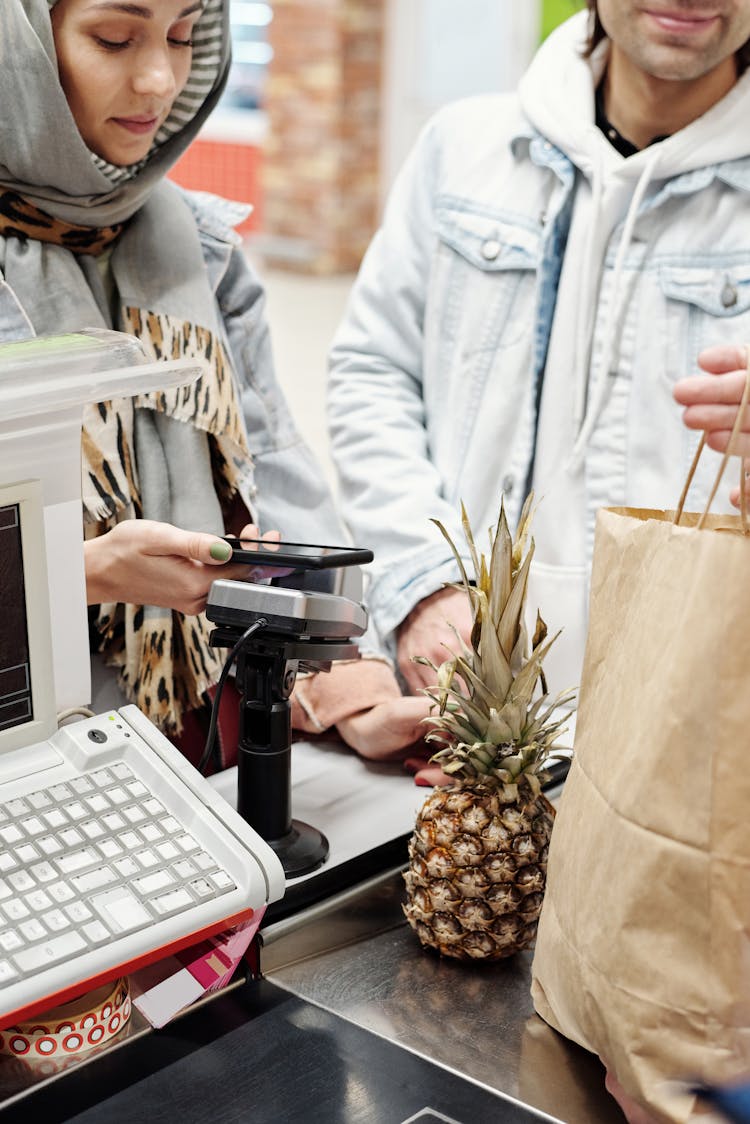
{"points": [[43, 872], [81, 785], [60, 792], [147, 858], [121, 909], [130, 840], [204, 861], [113, 821], [109, 848], [5, 890], [134, 814], [186, 843], [77, 860], [98, 802], [55, 920], [94, 879], [96, 932], [78, 912], [151, 832], [25, 853], [153, 807], [33, 826], [201, 888], [17, 807], [10, 834], [7, 972], [60, 891], [39, 800], [33, 930], [127, 867], [170, 825], [38, 900], [70, 837], [50, 845], [221, 880], [150, 883], [137, 788], [184, 869], [22, 881], [16, 910], [77, 810], [51, 952], [167, 850], [7, 861], [118, 795], [122, 771], [10, 940], [55, 818], [93, 829], [102, 778], [172, 902]]}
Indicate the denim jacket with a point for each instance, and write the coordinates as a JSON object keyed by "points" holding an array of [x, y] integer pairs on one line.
{"points": [[436, 370]]}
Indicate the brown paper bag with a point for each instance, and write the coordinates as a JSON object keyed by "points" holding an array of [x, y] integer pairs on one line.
{"points": [[643, 949]]}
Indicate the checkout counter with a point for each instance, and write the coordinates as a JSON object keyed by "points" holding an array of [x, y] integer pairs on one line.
{"points": [[346, 1018], [342, 1016]]}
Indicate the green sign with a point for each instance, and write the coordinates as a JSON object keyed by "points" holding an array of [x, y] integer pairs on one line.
{"points": [[555, 11]]}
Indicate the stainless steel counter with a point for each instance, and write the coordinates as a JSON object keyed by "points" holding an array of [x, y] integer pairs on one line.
{"points": [[356, 957]]}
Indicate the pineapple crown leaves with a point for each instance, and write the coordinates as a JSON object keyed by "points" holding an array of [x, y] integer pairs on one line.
{"points": [[487, 723]]}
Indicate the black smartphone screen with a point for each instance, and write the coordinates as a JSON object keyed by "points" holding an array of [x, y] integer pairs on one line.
{"points": [[300, 556]]}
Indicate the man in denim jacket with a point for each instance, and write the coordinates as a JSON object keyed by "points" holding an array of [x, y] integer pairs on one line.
{"points": [[551, 263]]}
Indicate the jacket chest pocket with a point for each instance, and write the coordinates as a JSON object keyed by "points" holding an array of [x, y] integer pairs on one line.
{"points": [[703, 306], [483, 281]]}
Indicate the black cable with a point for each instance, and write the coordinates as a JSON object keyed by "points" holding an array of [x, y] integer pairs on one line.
{"points": [[260, 623]]}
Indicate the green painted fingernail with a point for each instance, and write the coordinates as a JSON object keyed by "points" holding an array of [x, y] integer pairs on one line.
{"points": [[221, 551]]}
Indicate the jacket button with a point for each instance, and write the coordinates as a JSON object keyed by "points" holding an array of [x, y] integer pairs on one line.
{"points": [[729, 294], [490, 249]]}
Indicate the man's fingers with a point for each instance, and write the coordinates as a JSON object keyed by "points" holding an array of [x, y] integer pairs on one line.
{"points": [[709, 390], [714, 418], [723, 358]]}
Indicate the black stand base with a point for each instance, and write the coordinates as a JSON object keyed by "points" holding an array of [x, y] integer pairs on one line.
{"points": [[301, 850]]}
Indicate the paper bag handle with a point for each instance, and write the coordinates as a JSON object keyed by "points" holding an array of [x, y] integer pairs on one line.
{"points": [[730, 446]]}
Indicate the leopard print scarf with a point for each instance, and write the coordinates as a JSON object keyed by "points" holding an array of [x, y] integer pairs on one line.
{"points": [[164, 659]]}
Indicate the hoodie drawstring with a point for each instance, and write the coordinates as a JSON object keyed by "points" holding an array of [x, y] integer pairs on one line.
{"points": [[598, 399]]}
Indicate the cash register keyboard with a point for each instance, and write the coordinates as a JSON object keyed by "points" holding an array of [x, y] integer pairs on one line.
{"points": [[85, 861]]}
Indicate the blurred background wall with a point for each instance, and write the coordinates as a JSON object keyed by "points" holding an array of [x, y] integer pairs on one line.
{"points": [[327, 96]]}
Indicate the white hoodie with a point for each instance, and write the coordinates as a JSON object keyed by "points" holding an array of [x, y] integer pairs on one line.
{"points": [[557, 95]]}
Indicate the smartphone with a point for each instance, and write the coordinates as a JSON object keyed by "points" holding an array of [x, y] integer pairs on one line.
{"points": [[296, 555]]}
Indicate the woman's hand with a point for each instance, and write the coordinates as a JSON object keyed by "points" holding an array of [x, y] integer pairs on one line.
{"points": [[711, 401], [143, 562]]}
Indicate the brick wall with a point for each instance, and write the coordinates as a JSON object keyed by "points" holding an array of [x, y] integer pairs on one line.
{"points": [[320, 165]]}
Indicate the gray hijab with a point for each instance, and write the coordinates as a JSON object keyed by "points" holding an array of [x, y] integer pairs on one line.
{"points": [[42, 154]]}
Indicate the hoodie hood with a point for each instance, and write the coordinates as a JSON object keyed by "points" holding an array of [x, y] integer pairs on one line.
{"points": [[557, 96]]}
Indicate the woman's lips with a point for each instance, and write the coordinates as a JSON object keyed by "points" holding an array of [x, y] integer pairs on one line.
{"points": [[138, 125]]}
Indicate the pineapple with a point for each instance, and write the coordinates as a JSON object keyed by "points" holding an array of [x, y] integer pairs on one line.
{"points": [[478, 855]]}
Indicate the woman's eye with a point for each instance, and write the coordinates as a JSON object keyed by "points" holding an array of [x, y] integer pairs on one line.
{"points": [[181, 42], [111, 44]]}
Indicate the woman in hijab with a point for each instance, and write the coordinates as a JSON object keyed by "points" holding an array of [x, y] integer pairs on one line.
{"points": [[101, 97]]}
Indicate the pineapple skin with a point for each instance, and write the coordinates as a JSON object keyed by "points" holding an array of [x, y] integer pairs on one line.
{"points": [[477, 871]]}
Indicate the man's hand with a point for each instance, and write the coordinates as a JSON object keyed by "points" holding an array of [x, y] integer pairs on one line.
{"points": [[143, 562], [711, 401], [426, 632], [385, 731]]}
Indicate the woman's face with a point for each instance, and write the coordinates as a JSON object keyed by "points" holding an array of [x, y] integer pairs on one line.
{"points": [[122, 63]]}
